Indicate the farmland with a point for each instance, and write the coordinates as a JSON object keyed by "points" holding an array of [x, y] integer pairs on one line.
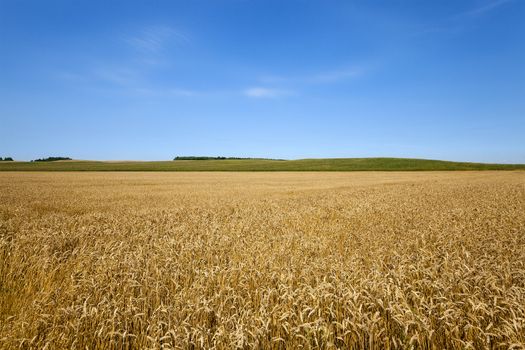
{"points": [[273, 260], [321, 164]]}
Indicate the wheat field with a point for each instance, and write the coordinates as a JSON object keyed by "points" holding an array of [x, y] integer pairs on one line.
{"points": [[397, 260]]}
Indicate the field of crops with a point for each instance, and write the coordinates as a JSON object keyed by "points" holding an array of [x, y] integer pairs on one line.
{"points": [[428, 260], [321, 164]]}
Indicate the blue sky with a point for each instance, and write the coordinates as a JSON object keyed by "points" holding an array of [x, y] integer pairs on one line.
{"points": [[263, 78]]}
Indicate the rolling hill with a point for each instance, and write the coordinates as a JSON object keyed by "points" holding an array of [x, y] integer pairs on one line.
{"points": [[325, 164]]}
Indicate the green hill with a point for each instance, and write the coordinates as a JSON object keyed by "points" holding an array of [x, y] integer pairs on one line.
{"points": [[326, 164]]}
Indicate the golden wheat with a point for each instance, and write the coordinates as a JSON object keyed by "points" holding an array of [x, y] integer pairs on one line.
{"points": [[262, 260]]}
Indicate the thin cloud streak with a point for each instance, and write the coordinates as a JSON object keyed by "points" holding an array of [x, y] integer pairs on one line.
{"points": [[488, 7], [326, 77], [134, 74], [456, 23], [154, 39], [125, 81], [263, 92]]}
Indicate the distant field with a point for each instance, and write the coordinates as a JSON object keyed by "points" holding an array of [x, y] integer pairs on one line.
{"points": [[328, 164], [362, 260]]}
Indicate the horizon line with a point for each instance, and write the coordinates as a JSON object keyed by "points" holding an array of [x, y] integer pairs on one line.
{"points": [[231, 158]]}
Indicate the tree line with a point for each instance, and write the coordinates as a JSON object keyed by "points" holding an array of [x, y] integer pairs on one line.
{"points": [[6, 159], [206, 158], [51, 159]]}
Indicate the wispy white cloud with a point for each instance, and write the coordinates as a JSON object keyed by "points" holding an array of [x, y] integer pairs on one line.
{"points": [[489, 6], [134, 74], [458, 22], [324, 77], [154, 39], [106, 75], [264, 92], [295, 83], [123, 80]]}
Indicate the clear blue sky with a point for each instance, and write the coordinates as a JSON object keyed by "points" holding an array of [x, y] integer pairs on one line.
{"points": [[263, 78]]}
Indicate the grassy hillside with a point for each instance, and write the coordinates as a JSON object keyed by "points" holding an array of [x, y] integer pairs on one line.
{"points": [[328, 164]]}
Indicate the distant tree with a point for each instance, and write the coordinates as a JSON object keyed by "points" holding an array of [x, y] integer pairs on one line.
{"points": [[51, 159], [8, 159], [207, 158]]}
